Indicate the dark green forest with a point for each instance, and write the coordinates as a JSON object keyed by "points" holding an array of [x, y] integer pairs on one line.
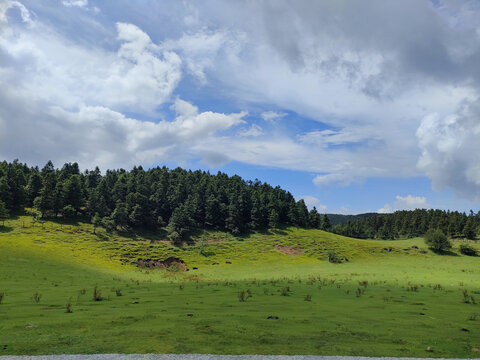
{"points": [[178, 200], [181, 201], [411, 223]]}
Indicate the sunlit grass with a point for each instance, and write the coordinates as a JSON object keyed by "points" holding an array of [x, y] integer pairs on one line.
{"points": [[388, 299]]}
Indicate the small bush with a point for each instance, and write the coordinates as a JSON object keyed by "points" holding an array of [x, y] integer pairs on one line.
{"points": [[308, 298], [363, 283], [2, 295], [97, 294], [68, 307], [437, 241], [118, 292], [333, 257], [413, 288], [285, 291], [36, 297], [244, 295], [468, 299], [468, 250]]}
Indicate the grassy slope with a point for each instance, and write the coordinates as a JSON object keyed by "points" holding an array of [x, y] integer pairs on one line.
{"points": [[60, 262]]}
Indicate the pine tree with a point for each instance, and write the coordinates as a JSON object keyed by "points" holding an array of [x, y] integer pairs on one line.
{"points": [[273, 219], [120, 216], [326, 225], [3, 213], [469, 230], [314, 218]]}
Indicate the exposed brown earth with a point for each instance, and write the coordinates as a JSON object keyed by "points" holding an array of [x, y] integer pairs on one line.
{"points": [[161, 264], [288, 250]]}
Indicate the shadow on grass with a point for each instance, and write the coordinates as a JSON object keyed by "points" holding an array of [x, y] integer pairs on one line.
{"points": [[445, 253], [5, 229]]}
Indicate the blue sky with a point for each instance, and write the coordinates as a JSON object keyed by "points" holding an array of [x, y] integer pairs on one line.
{"points": [[354, 106]]}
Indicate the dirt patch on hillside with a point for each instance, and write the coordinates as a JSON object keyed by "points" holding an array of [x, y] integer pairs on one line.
{"points": [[288, 250], [216, 240], [171, 263]]}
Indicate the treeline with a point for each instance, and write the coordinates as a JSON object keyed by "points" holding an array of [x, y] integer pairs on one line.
{"points": [[411, 224], [178, 199]]}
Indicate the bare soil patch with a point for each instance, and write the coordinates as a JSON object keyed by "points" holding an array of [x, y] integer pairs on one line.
{"points": [[288, 250], [171, 262]]}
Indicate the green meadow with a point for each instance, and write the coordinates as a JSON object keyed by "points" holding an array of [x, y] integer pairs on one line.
{"points": [[266, 293]]}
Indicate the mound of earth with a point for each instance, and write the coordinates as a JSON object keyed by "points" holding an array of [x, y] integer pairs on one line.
{"points": [[161, 264], [288, 250]]}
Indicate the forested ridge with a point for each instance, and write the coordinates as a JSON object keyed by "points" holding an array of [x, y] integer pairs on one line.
{"points": [[411, 223], [179, 200]]}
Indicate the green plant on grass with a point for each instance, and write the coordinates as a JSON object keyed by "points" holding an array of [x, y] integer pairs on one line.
{"points": [[37, 297], [244, 295], [97, 294], [285, 291], [437, 241], [69, 307], [333, 257]]}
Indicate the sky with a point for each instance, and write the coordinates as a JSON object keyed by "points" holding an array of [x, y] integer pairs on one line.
{"points": [[355, 106]]}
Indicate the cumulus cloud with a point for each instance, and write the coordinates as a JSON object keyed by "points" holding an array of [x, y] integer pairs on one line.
{"points": [[312, 201], [451, 150], [386, 209], [96, 135], [408, 202], [138, 76]]}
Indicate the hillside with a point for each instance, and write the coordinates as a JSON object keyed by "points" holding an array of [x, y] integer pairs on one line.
{"points": [[274, 293]]}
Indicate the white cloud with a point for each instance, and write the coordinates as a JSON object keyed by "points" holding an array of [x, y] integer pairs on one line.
{"points": [[253, 130], [310, 201], [8, 4], [79, 3], [451, 150], [337, 179], [96, 135], [386, 209], [137, 77], [408, 202], [272, 116]]}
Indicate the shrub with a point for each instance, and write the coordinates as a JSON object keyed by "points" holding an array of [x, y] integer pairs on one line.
{"points": [[2, 295], [468, 250], [68, 307], [437, 240], [244, 295], [118, 292], [333, 257], [285, 291], [308, 298], [97, 294], [36, 297]]}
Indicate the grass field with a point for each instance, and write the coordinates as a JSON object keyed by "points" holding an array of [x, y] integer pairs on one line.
{"points": [[388, 299]]}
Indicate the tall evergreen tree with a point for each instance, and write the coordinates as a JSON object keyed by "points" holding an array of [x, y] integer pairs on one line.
{"points": [[3, 213]]}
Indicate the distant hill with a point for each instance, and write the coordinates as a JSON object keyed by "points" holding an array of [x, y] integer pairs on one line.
{"points": [[341, 219]]}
